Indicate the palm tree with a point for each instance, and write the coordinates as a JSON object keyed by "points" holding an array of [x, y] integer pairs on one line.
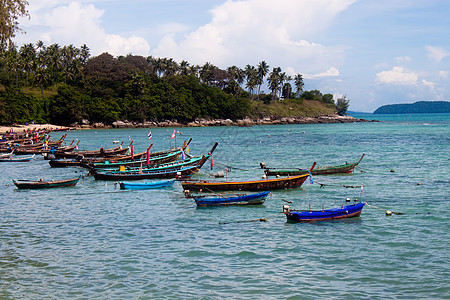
{"points": [[274, 81], [299, 84], [28, 57], [287, 88], [252, 80], [263, 69], [184, 67]]}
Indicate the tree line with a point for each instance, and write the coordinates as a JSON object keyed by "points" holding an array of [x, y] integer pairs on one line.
{"points": [[64, 84]]}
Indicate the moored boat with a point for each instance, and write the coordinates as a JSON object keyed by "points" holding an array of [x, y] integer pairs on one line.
{"points": [[17, 159], [347, 211], [324, 170], [146, 185], [41, 184], [235, 199]]}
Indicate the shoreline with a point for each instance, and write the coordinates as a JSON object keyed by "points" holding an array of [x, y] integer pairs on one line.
{"points": [[323, 119]]}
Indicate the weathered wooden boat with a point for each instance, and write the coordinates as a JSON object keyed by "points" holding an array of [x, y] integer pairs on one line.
{"points": [[159, 167], [324, 170], [168, 173], [225, 200], [146, 185], [151, 161], [41, 184], [17, 159], [347, 211], [62, 163], [174, 171], [254, 185], [93, 153]]}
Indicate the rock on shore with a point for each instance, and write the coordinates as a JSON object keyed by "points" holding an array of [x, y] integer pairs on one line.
{"points": [[225, 122]]}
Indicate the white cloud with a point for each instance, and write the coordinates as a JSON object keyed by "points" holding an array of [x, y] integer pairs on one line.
{"points": [[402, 59], [397, 76], [436, 54], [331, 72], [443, 74], [77, 24], [248, 31]]}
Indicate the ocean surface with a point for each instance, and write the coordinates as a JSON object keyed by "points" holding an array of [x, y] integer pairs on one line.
{"points": [[94, 241]]}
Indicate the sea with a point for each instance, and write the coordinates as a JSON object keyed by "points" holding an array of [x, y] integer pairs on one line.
{"points": [[95, 241]]}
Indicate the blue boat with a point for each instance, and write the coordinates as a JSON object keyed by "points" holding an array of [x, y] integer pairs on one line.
{"points": [[347, 211], [242, 199], [146, 185]]}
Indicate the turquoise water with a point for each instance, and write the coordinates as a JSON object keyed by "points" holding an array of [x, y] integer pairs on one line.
{"points": [[96, 241]]}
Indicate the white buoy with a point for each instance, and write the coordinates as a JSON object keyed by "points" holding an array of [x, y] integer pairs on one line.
{"points": [[388, 213]]}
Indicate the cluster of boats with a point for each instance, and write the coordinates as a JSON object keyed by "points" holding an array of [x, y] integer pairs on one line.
{"points": [[120, 164]]}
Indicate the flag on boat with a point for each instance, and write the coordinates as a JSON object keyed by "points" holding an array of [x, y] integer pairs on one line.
{"points": [[173, 135], [149, 135], [148, 156]]}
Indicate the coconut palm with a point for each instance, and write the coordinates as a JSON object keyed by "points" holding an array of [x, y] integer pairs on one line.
{"points": [[299, 84], [263, 70]]}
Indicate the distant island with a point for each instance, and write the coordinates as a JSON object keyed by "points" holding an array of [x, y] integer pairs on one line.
{"points": [[420, 107]]}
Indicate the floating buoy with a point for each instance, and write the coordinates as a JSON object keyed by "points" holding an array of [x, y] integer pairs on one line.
{"points": [[419, 183], [392, 171], [388, 213], [264, 176], [269, 135], [106, 184], [303, 131], [278, 176]]}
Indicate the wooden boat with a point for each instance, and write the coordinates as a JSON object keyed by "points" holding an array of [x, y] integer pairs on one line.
{"points": [[168, 173], [93, 153], [6, 155], [146, 185], [183, 169], [225, 200], [40, 184], [20, 159], [255, 185], [325, 170], [152, 161], [348, 211]]}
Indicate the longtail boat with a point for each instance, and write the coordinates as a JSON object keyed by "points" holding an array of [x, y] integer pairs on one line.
{"points": [[348, 211], [255, 185], [41, 184], [94, 153], [325, 170], [146, 185], [151, 161], [19, 159], [174, 171], [225, 200]]}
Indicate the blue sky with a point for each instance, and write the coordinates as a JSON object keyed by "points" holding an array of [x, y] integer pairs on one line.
{"points": [[374, 52]]}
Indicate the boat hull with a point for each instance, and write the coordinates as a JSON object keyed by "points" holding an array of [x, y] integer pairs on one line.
{"points": [[257, 185], [46, 184], [224, 200], [145, 185], [348, 211]]}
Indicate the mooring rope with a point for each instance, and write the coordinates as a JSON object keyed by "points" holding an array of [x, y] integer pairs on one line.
{"points": [[388, 212]]}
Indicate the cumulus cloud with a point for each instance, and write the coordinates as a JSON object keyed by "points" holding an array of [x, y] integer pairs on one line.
{"points": [[77, 24], [437, 54], [331, 72], [249, 31], [397, 75]]}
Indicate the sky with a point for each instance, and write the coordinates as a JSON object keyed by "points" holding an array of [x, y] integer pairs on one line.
{"points": [[373, 52]]}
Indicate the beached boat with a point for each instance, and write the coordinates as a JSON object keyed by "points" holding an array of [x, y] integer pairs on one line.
{"points": [[225, 200], [17, 159], [93, 153], [146, 185], [347, 211], [324, 170], [151, 161], [41, 184], [253, 185]]}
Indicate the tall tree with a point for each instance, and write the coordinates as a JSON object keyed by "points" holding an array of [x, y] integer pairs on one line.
{"points": [[10, 11], [342, 105], [263, 70], [299, 84]]}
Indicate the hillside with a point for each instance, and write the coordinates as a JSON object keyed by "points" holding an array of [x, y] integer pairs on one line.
{"points": [[419, 107]]}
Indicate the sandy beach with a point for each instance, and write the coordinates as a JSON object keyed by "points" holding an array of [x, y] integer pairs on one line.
{"points": [[22, 128]]}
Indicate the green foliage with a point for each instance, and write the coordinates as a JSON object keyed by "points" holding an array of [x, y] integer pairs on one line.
{"points": [[62, 85], [342, 105]]}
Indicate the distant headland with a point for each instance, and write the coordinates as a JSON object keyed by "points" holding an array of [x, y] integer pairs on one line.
{"points": [[420, 107]]}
